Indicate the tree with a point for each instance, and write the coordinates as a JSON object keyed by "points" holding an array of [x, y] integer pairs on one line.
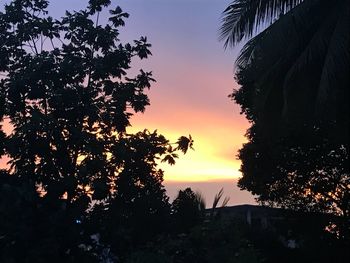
{"points": [[188, 210], [65, 90], [68, 103], [139, 210], [294, 91], [303, 171], [295, 69]]}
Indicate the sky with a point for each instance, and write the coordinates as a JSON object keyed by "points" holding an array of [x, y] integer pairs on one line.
{"points": [[194, 77]]}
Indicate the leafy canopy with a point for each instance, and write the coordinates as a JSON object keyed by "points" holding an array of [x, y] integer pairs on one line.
{"points": [[66, 92]]}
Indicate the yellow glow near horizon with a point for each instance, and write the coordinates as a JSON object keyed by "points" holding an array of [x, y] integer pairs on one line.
{"points": [[215, 148], [203, 164]]}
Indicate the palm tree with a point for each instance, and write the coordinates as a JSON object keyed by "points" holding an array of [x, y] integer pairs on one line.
{"points": [[293, 71], [295, 62]]}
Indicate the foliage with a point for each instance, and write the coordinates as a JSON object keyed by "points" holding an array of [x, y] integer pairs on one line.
{"points": [[66, 91], [229, 239], [67, 104], [218, 197], [304, 171], [184, 143], [209, 243], [215, 210], [242, 17], [32, 231], [139, 210], [188, 210], [293, 67], [294, 91]]}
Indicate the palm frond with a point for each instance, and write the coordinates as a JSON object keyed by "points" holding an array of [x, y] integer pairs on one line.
{"points": [[249, 51], [286, 62], [217, 198], [242, 18], [225, 201], [304, 77], [282, 35], [336, 63], [216, 201]]}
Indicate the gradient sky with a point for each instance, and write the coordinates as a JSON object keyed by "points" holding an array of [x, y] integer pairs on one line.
{"points": [[194, 77]]}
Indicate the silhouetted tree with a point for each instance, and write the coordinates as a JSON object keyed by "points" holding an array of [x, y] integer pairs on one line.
{"points": [[188, 210], [294, 90], [138, 210], [296, 68], [65, 90], [68, 97], [304, 171]]}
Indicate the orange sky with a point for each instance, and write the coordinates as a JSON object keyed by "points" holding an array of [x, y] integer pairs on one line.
{"points": [[216, 139], [194, 77]]}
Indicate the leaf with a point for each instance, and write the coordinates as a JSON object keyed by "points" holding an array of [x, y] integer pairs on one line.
{"points": [[170, 159], [96, 5], [242, 18], [184, 143], [118, 17]]}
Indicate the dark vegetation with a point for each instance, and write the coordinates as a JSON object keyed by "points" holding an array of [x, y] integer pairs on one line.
{"points": [[79, 188], [295, 92]]}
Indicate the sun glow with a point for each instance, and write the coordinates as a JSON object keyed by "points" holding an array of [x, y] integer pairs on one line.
{"points": [[214, 154], [205, 163]]}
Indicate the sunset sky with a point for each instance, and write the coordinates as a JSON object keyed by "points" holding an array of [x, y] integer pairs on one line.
{"points": [[194, 78]]}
